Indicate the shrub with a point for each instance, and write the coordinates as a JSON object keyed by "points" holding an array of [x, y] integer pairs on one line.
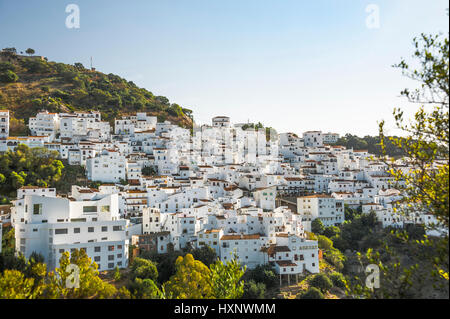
{"points": [[322, 282], [338, 280], [317, 226], [312, 293], [8, 76], [254, 290], [143, 269]]}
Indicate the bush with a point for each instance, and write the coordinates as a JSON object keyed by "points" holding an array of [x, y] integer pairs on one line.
{"points": [[322, 282], [331, 231], [262, 274], [143, 269], [8, 76], [205, 254], [254, 290], [5, 66], [324, 243], [338, 280], [35, 66], [312, 293], [317, 226], [144, 289]]}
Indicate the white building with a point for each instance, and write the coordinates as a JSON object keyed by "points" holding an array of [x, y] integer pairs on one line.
{"points": [[325, 207], [51, 225], [4, 123], [109, 167], [44, 124], [313, 138], [221, 121], [330, 138]]}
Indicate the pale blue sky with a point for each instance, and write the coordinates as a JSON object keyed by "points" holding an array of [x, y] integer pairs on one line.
{"points": [[291, 64]]}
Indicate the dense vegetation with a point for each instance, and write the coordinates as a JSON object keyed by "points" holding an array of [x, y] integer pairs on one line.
{"points": [[370, 143], [30, 84], [22, 278], [28, 167]]}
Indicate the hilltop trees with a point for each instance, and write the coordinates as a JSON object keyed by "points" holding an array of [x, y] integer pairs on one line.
{"points": [[74, 87], [30, 51]]}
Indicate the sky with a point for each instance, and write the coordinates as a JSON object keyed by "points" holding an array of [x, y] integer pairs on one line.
{"points": [[290, 64]]}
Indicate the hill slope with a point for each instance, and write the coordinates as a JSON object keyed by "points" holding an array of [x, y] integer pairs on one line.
{"points": [[30, 84]]}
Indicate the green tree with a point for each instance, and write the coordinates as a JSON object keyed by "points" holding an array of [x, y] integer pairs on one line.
{"points": [[90, 284], [331, 231], [205, 254], [191, 280], [324, 242], [226, 279], [144, 289], [30, 51], [8, 76], [338, 280], [317, 226], [14, 285], [322, 282], [262, 274], [143, 269], [425, 185], [117, 275], [312, 293], [254, 290]]}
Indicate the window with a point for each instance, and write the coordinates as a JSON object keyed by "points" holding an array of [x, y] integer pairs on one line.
{"points": [[117, 228], [90, 229], [105, 209], [97, 258], [60, 231], [97, 249], [110, 257], [111, 248], [111, 265], [89, 209], [104, 228], [76, 230], [37, 209], [119, 246]]}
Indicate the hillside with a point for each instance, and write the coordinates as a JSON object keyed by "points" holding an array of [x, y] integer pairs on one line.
{"points": [[371, 144], [30, 84]]}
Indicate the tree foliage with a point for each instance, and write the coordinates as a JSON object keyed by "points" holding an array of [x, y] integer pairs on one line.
{"points": [[322, 282], [191, 280], [226, 279], [425, 185], [26, 166]]}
